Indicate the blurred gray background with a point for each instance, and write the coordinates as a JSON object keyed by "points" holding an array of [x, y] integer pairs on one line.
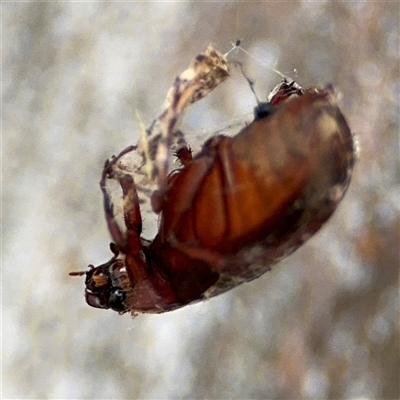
{"points": [[322, 324]]}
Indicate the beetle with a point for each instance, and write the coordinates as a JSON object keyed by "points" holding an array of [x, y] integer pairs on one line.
{"points": [[232, 211]]}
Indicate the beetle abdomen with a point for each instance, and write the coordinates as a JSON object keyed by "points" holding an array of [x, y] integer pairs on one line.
{"points": [[271, 178]]}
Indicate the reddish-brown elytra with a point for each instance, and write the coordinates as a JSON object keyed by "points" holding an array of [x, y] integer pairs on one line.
{"points": [[233, 210]]}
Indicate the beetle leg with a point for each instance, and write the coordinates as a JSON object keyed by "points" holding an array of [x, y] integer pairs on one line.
{"points": [[135, 261], [184, 155], [112, 224], [114, 249], [131, 244], [133, 218]]}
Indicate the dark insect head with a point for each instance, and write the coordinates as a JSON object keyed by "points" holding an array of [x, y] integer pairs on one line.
{"points": [[103, 286]]}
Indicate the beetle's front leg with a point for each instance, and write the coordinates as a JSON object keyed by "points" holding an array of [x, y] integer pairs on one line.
{"points": [[135, 261], [113, 227], [129, 243]]}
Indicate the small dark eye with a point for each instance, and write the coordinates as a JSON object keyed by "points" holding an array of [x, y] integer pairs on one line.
{"points": [[116, 299]]}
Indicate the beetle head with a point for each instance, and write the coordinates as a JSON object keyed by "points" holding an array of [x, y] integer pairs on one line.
{"points": [[104, 288]]}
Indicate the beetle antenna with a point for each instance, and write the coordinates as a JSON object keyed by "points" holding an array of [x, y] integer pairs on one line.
{"points": [[77, 273], [80, 273]]}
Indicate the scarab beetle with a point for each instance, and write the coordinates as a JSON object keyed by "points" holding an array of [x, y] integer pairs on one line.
{"points": [[233, 210]]}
